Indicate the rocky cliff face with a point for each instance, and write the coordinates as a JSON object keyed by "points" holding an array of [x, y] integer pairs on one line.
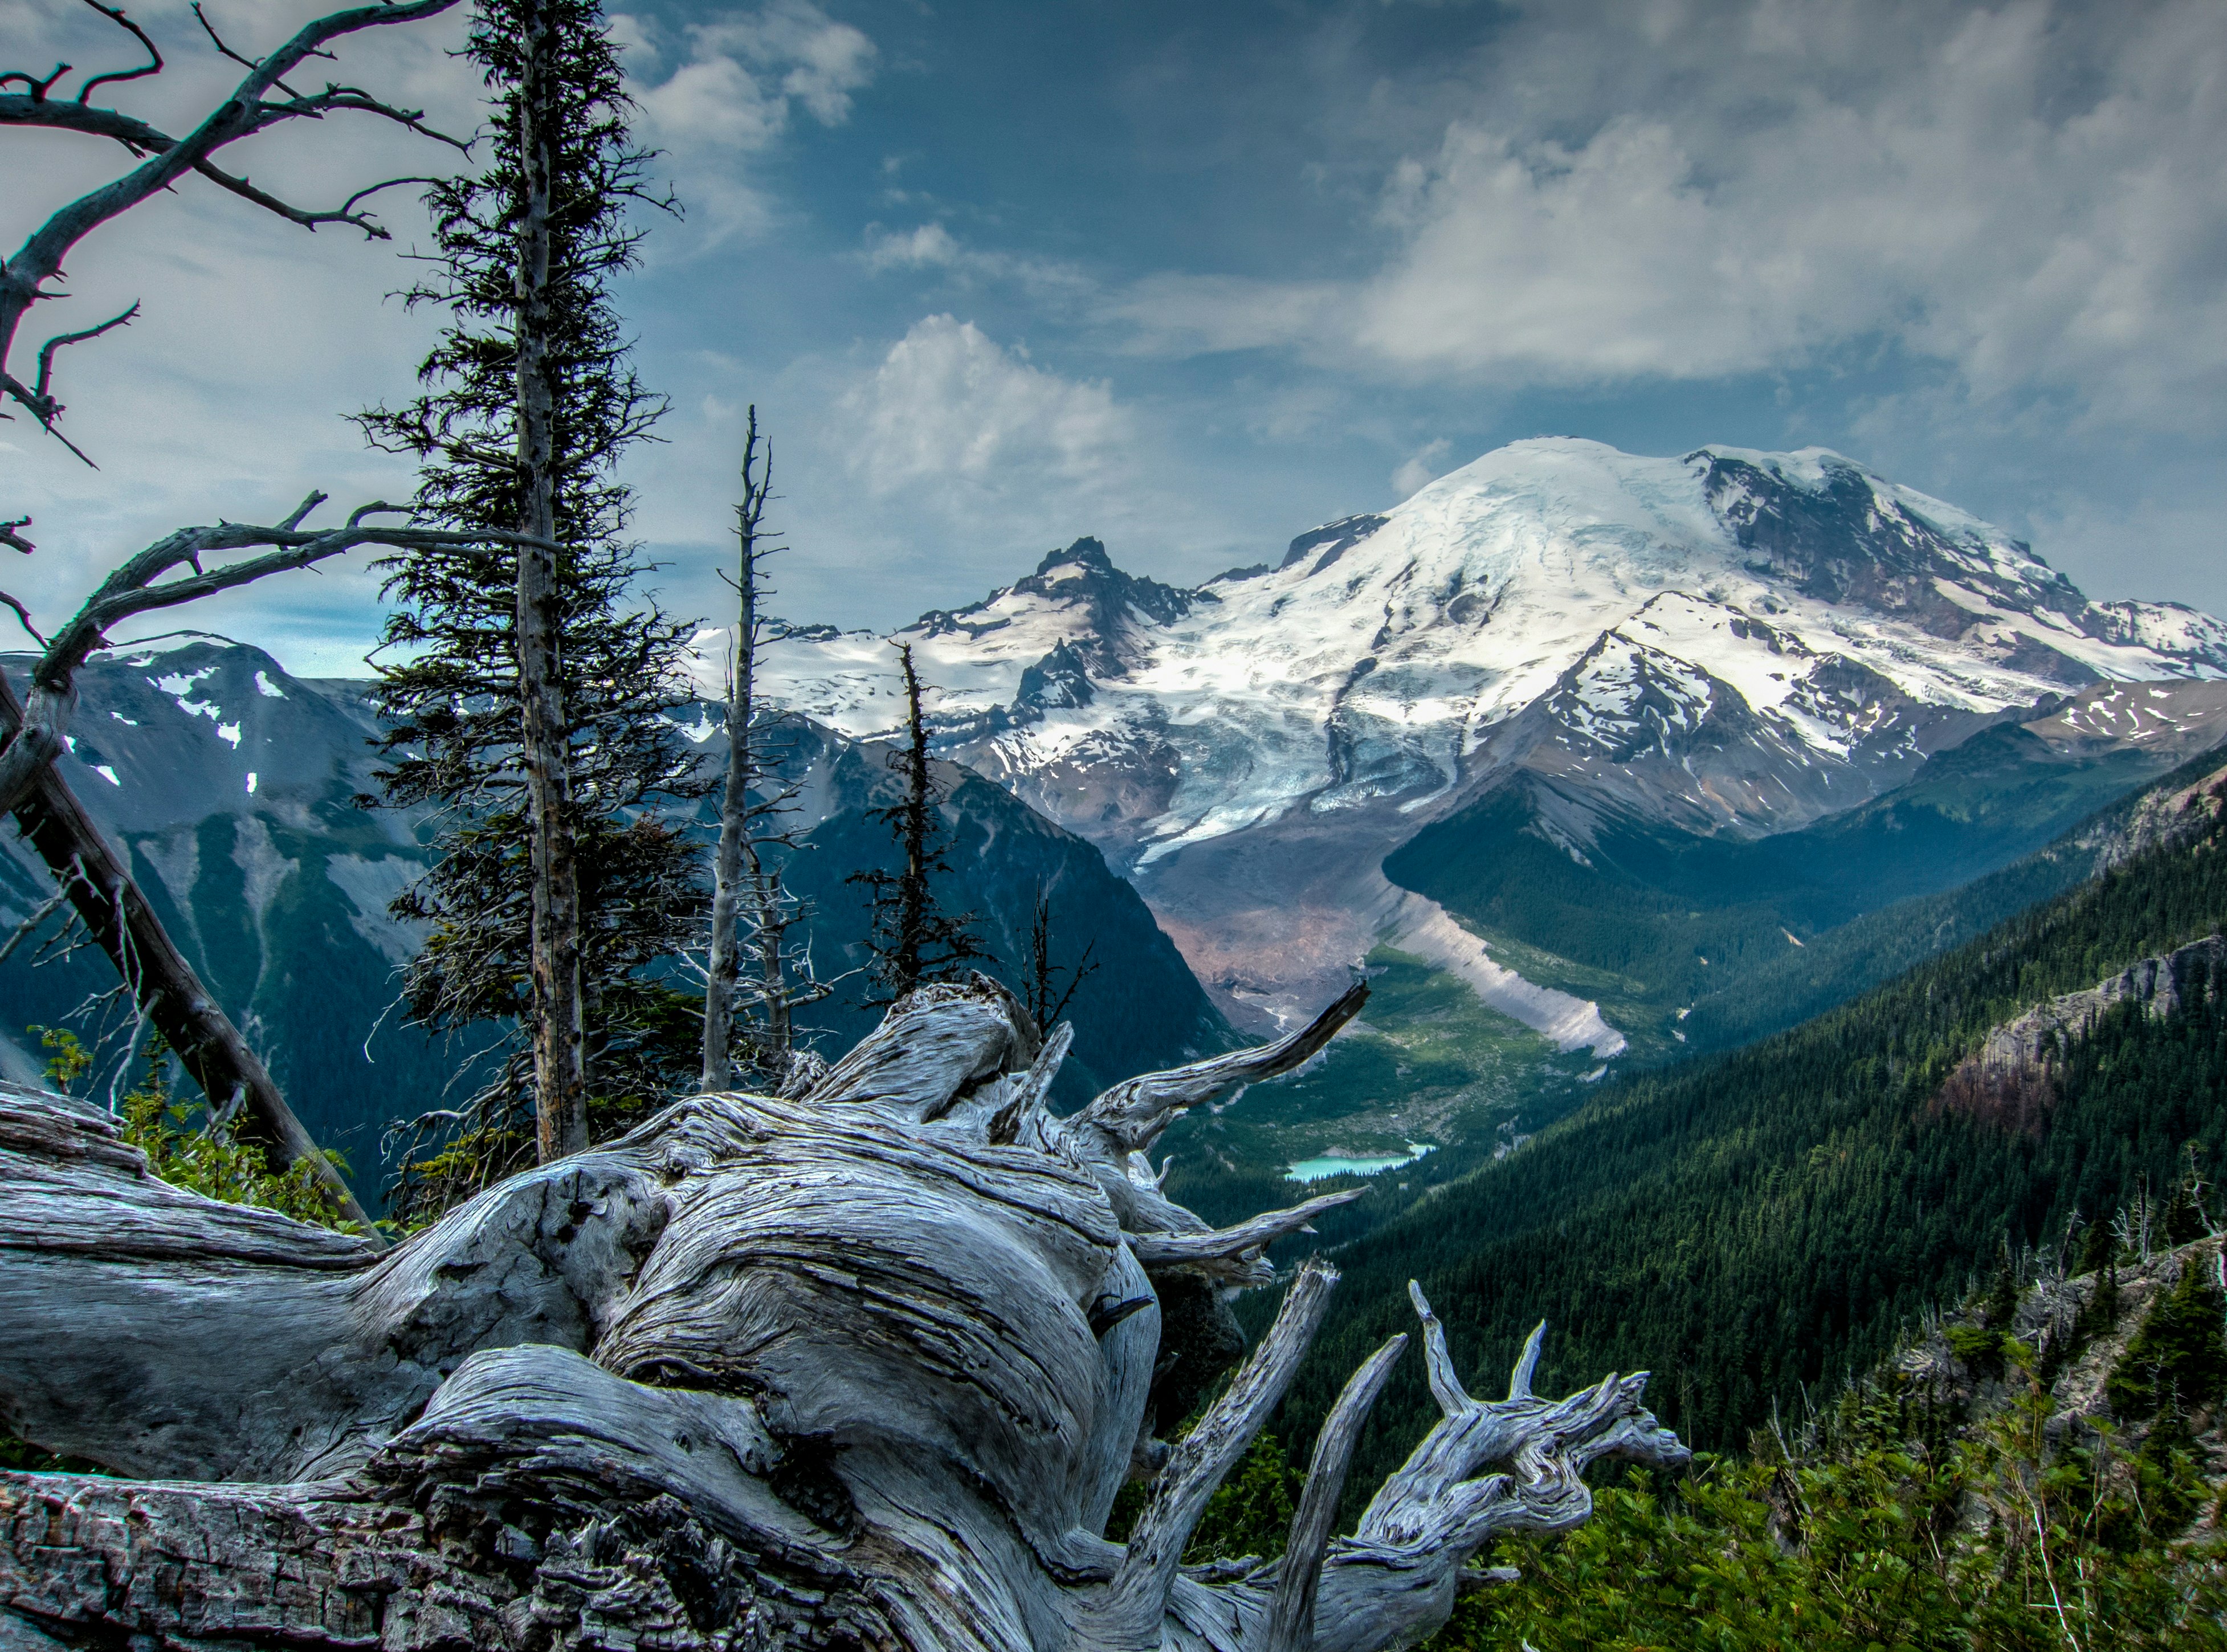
{"points": [[2081, 1332], [2159, 985]]}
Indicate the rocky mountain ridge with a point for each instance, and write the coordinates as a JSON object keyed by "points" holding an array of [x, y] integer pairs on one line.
{"points": [[1727, 643]]}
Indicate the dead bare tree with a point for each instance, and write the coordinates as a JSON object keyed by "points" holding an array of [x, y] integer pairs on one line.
{"points": [[752, 911], [167, 992], [743, 769], [866, 1367], [262, 100], [1048, 998]]}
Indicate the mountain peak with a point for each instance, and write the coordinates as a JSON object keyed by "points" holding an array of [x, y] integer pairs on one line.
{"points": [[1800, 628], [1333, 539], [1087, 552]]}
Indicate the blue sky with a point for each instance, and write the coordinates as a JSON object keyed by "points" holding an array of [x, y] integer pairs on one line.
{"points": [[1193, 279]]}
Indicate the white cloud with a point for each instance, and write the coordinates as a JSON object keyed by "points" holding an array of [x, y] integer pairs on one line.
{"points": [[950, 408], [714, 102], [1053, 285], [734, 97], [1421, 467], [745, 73], [929, 245], [2029, 195], [1175, 313]]}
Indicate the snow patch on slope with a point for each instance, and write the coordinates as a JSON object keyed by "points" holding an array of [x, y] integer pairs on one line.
{"points": [[1422, 927]]}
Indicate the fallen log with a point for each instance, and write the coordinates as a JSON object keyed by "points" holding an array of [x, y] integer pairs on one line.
{"points": [[862, 1368]]}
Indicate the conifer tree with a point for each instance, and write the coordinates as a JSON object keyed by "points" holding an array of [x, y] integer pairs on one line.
{"points": [[1046, 997], [525, 696], [752, 911], [914, 940]]}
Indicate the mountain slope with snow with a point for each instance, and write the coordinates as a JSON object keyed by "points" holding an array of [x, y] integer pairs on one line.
{"points": [[1755, 639], [1727, 643], [229, 788]]}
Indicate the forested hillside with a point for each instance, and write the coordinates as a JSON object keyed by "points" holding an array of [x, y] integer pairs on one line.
{"points": [[1756, 1226], [1693, 940]]}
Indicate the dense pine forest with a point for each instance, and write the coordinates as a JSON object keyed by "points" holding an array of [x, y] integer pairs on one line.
{"points": [[1759, 1227]]}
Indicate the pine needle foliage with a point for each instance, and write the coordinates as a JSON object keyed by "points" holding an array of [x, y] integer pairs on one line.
{"points": [[447, 686], [188, 1148]]}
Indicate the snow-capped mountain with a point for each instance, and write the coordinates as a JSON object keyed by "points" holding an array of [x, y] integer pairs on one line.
{"points": [[1728, 642], [1765, 637]]}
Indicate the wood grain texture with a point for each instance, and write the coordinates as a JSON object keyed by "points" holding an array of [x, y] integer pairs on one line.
{"points": [[865, 1368]]}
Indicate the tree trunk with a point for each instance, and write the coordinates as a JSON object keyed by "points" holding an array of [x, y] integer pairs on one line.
{"points": [[865, 1369], [769, 923], [912, 911], [559, 1052], [163, 984], [728, 873]]}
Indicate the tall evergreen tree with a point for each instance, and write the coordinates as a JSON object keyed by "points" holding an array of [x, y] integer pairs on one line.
{"points": [[915, 939], [525, 696]]}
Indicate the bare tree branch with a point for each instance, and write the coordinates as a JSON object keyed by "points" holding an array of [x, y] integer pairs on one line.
{"points": [[23, 617], [1291, 1615], [41, 390], [308, 219], [1136, 1602], [217, 41], [1131, 1116], [152, 65], [1234, 1255], [29, 926], [26, 277], [139, 587]]}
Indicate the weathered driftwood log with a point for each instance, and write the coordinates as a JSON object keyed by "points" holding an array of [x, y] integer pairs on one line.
{"points": [[861, 1368]]}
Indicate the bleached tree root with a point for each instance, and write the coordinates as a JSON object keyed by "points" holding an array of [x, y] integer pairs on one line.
{"points": [[864, 1368]]}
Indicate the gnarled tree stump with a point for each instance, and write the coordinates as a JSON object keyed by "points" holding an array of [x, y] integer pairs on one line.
{"points": [[864, 1368]]}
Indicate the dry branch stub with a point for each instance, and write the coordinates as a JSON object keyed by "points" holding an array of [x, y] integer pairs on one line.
{"points": [[864, 1367]]}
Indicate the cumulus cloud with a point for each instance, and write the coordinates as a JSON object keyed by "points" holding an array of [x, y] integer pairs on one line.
{"points": [[734, 93], [951, 408], [2027, 193], [743, 74]]}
